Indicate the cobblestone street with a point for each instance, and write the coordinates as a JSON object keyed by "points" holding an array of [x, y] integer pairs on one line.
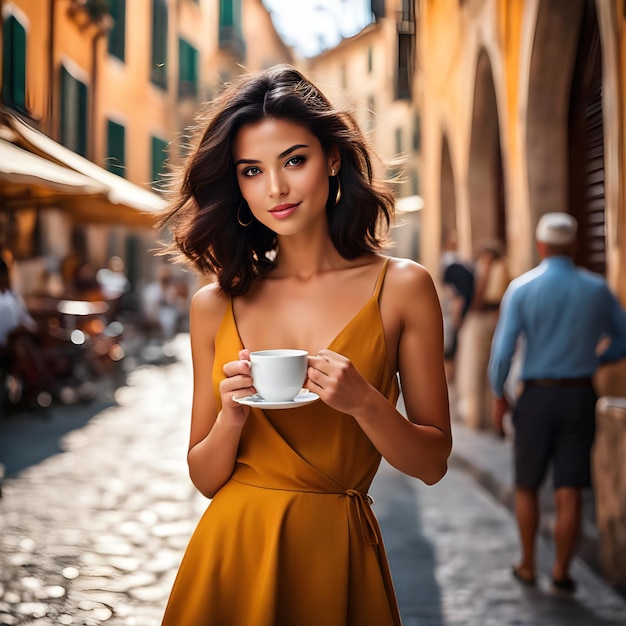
{"points": [[93, 533]]}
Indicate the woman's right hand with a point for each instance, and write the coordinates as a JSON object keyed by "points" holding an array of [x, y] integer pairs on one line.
{"points": [[237, 384]]}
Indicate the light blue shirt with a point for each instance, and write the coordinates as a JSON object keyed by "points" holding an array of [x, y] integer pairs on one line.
{"points": [[560, 312]]}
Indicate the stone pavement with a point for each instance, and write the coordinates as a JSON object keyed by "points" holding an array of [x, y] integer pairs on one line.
{"points": [[92, 531]]}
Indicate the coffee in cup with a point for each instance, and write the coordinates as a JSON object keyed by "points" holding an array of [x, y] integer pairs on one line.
{"points": [[278, 375]]}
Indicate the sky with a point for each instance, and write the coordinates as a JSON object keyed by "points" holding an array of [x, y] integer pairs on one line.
{"points": [[311, 26]]}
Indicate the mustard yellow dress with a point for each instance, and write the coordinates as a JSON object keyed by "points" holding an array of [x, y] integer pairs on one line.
{"points": [[290, 539]]}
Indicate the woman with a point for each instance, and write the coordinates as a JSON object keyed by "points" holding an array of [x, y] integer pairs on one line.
{"points": [[278, 200]]}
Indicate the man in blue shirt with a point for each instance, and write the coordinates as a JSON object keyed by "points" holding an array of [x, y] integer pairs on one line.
{"points": [[558, 314]]}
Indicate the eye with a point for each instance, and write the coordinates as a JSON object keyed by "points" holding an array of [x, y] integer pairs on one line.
{"points": [[295, 161], [251, 171]]}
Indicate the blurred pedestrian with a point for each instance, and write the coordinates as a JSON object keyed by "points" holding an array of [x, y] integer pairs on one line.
{"points": [[278, 200], [457, 292], [114, 285], [20, 358], [562, 314], [491, 279], [162, 305]]}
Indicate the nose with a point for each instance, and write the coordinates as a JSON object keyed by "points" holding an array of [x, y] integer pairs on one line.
{"points": [[278, 184]]}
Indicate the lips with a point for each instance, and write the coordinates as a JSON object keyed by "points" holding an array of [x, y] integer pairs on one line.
{"points": [[281, 211]]}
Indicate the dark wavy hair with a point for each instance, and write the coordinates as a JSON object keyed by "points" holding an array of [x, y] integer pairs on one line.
{"points": [[205, 196]]}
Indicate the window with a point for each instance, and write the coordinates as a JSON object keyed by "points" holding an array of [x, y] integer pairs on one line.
{"points": [[228, 10], [117, 34], [415, 183], [404, 69], [159, 158], [14, 64], [116, 148], [417, 133], [74, 98], [407, 10], [187, 70], [398, 140], [378, 8], [230, 33], [158, 69]]}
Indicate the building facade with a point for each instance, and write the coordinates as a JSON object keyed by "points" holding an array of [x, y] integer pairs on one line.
{"points": [[373, 75], [102, 91], [522, 109]]}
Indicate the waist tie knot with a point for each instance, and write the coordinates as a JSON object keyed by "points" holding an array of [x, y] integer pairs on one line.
{"points": [[367, 521]]}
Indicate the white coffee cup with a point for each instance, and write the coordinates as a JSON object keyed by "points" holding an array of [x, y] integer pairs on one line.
{"points": [[278, 375]]}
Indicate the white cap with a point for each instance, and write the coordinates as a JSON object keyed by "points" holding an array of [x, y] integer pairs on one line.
{"points": [[556, 228]]}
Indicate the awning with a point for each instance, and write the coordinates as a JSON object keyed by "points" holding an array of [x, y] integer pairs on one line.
{"points": [[115, 190], [23, 173]]}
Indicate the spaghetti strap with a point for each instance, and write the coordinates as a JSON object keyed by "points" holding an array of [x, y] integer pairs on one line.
{"points": [[381, 279]]}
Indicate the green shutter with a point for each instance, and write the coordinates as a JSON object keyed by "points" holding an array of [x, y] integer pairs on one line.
{"points": [[14, 64], [159, 157], [117, 34], [73, 112], [227, 17], [116, 148], [83, 116], [188, 69], [158, 72]]}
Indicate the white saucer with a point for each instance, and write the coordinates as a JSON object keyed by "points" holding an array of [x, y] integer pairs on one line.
{"points": [[304, 397]]}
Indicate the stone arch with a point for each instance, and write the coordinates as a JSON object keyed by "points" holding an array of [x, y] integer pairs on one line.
{"points": [[485, 169], [549, 86]]}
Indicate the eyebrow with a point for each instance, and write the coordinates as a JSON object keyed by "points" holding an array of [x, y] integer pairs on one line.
{"points": [[282, 155]]}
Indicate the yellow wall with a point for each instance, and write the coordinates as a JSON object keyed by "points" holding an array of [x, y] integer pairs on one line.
{"points": [[450, 38], [126, 95]]}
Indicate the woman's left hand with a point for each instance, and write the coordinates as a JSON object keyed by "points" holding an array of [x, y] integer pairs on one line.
{"points": [[335, 379]]}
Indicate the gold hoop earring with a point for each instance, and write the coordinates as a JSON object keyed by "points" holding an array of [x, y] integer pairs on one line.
{"points": [[239, 218], [338, 196]]}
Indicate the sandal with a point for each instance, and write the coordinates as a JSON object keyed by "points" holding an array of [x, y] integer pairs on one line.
{"points": [[564, 584], [530, 581]]}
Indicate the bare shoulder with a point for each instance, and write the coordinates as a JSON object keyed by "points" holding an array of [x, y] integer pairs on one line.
{"points": [[406, 277], [208, 306]]}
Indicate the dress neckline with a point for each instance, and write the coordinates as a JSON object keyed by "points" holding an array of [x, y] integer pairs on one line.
{"points": [[372, 299]]}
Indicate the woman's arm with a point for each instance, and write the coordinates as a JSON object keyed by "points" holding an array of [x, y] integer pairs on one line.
{"points": [[214, 436], [421, 445]]}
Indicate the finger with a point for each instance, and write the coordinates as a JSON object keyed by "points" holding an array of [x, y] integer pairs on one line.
{"points": [[317, 370], [320, 363], [313, 385], [329, 355], [232, 368], [317, 378], [236, 383]]}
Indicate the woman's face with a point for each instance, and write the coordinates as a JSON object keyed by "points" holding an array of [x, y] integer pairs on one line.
{"points": [[283, 173]]}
